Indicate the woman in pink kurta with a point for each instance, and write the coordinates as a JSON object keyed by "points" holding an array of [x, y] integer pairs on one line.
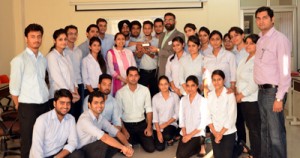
{"points": [[118, 60]]}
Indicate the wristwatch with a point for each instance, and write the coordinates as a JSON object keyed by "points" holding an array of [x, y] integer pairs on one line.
{"points": [[279, 100]]}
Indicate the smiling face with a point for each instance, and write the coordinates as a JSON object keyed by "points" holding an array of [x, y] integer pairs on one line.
{"points": [[94, 32], [62, 106], [61, 42], [102, 27], [147, 29], [95, 47], [158, 27], [120, 41], [236, 38], [163, 85], [97, 106], [133, 77], [177, 46], [72, 35], [189, 32]]}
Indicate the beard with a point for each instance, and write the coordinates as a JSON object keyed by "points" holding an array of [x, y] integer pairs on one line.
{"points": [[170, 27]]}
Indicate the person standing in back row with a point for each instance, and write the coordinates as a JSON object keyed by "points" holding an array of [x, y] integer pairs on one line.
{"points": [[165, 47], [27, 85], [272, 66]]}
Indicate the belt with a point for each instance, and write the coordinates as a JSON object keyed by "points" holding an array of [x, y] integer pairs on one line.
{"points": [[267, 86], [148, 71], [135, 123]]}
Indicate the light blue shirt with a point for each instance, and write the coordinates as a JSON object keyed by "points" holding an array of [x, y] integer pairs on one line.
{"points": [[50, 135], [76, 58], [91, 129], [27, 78], [85, 48], [148, 63], [239, 55], [207, 51], [106, 44], [111, 112]]}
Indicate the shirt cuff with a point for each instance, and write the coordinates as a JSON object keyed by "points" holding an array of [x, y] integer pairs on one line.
{"points": [[69, 147]]}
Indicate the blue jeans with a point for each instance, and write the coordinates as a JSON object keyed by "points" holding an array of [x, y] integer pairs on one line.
{"points": [[273, 133]]}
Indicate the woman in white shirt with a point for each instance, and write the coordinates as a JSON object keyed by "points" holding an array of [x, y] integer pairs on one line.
{"points": [[219, 59], [192, 119], [118, 60], [173, 65], [203, 35], [247, 93], [60, 69], [189, 30], [165, 105], [191, 64], [93, 65], [222, 117]]}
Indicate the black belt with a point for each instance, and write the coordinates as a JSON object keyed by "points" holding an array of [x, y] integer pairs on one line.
{"points": [[266, 86], [135, 123], [148, 71]]}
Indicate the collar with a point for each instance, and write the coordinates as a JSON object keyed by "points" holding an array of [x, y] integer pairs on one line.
{"points": [[30, 52], [169, 33], [269, 33], [54, 115], [93, 116]]}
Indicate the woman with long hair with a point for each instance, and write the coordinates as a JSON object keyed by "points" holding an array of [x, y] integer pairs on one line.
{"points": [[173, 65], [93, 65], [192, 119], [165, 105]]}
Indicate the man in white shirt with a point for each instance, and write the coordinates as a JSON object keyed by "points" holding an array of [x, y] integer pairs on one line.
{"points": [[91, 31], [55, 131], [92, 128], [27, 85], [75, 55], [107, 40], [135, 101]]}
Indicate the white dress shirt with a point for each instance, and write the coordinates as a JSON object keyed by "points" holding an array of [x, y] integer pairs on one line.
{"points": [[134, 104], [164, 110], [207, 51], [148, 63], [51, 135], [61, 73], [225, 61], [222, 111], [90, 71], [27, 78], [172, 69], [129, 57], [76, 58], [111, 112], [189, 67], [91, 129], [245, 80], [193, 115]]}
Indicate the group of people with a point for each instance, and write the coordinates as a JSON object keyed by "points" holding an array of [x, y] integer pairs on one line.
{"points": [[152, 88]]}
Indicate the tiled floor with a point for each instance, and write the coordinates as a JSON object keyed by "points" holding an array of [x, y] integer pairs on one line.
{"points": [[293, 141]]}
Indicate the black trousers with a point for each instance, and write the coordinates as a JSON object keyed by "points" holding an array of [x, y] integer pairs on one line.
{"points": [[28, 113], [225, 148], [240, 124], [74, 154], [251, 115], [188, 149], [97, 149], [136, 132], [148, 78], [168, 134]]}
